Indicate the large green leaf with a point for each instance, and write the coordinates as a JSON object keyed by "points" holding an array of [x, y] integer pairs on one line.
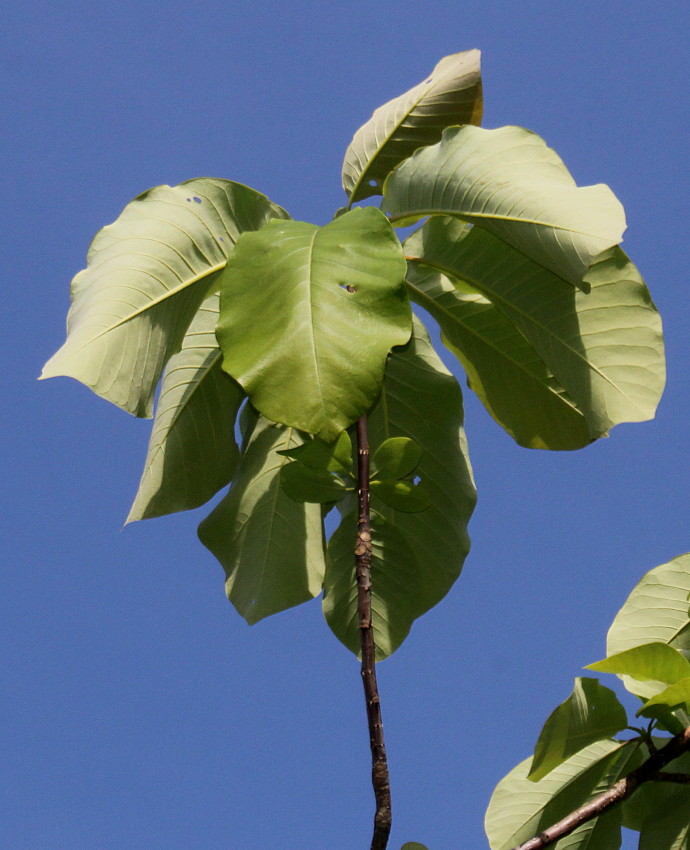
{"points": [[590, 713], [648, 805], [510, 183], [418, 556], [605, 346], [192, 452], [671, 829], [451, 94], [519, 809], [308, 315], [654, 664], [146, 276], [504, 370], [270, 546]]}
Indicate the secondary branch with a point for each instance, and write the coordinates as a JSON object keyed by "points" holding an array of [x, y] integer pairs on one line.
{"points": [[379, 762]]}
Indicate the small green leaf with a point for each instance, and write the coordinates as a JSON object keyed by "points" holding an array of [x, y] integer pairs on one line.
{"points": [[308, 316], [305, 484], [676, 694], [334, 457], [651, 662], [590, 713], [403, 495], [396, 457]]}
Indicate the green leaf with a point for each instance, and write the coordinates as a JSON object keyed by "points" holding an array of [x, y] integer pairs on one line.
{"points": [[333, 457], [652, 799], [270, 546], [146, 276], [308, 351], [657, 663], [673, 695], [305, 484], [520, 809], [510, 183], [452, 94], [192, 452], [396, 457], [403, 495], [503, 369], [418, 556], [590, 713], [657, 611], [670, 830], [605, 347]]}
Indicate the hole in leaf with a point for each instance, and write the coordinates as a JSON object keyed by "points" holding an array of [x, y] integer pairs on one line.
{"points": [[348, 287], [220, 239], [373, 183], [189, 200], [197, 200], [416, 479]]}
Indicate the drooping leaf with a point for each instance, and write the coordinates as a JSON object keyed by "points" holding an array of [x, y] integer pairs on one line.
{"points": [[192, 452], [331, 457], [146, 276], [396, 457], [270, 546], [519, 809], [405, 496], [510, 183], [417, 556], [451, 94], [309, 314], [303, 483], [604, 346], [670, 830], [591, 713], [656, 664], [504, 370]]}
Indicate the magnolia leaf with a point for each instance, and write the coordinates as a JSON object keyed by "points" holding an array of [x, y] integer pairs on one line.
{"points": [[270, 546], [309, 315], [605, 347], [306, 484], [192, 452], [403, 495], [520, 809], [510, 183], [504, 370], [418, 556], [656, 663], [146, 276], [331, 457], [673, 695], [452, 94], [396, 457], [591, 713]]}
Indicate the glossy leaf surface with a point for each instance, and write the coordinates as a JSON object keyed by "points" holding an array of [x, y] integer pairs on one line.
{"points": [[591, 713], [192, 452], [309, 315], [451, 94], [604, 347], [146, 276], [510, 183], [270, 546]]}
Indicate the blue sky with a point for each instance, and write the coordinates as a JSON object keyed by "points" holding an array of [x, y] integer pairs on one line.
{"points": [[138, 709]]}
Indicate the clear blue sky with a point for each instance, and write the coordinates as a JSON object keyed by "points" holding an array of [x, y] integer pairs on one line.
{"points": [[138, 710]]}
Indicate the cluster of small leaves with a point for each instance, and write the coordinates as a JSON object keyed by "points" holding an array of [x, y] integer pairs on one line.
{"points": [[577, 756], [213, 294]]}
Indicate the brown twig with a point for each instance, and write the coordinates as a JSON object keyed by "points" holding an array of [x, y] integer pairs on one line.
{"points": [[621, 790], [379, 762]]}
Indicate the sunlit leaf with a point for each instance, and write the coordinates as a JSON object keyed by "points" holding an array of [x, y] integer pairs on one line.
{"points": [[309, 314], [673, 695], [451, 94], [146, 276], [396, 457], [655, 663], [270, 546], [510, 183], [590, 713]]}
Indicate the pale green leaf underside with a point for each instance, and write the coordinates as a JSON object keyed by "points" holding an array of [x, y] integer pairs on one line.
{"points": [[309, 352], [146, 276], [270, 546], [519, 809], [452, 94], [676, 694], [605, 347], [420, 400], [510, 183], [592, 712], [504, 370], [192, 451]]}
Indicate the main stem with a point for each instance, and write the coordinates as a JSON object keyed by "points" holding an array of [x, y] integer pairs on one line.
{"points": [[379, 762]]}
